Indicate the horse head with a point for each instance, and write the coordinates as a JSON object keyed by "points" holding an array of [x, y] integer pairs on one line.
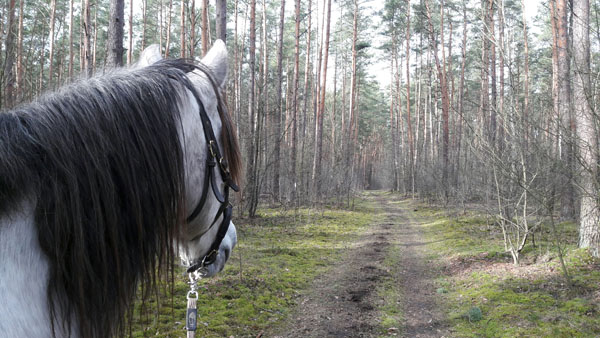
{"points": [[202, 229], [102, 183]]}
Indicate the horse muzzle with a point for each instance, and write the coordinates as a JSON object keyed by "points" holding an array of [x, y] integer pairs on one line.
{"points": [[216, 264]]}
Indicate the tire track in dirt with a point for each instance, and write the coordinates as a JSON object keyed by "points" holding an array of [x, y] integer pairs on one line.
{"points": [[343, 301]]}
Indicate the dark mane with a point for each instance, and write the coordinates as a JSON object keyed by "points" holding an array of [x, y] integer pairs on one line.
{"points": [[102, 161]]}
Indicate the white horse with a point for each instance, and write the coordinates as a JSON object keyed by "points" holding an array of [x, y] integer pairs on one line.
{"points": [[102, 183]]}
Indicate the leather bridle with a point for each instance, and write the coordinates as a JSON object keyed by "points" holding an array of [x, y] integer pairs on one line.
{"points": [[215, 160]]}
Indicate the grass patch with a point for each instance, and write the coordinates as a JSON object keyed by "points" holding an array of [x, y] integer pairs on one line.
{"points": [[278, 255], [531, 300], [388, 291]]}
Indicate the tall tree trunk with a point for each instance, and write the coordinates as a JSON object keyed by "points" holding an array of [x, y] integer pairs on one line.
{"points": [[221, 19], [182, 29], [501, 75], [302, 130], [295, 103], [145, 21], [484, 80], [461, 93], [554, 123], [168, 30], [394, 147], [589, 227], [444, 91], [321, 111], [251, 146], [19, 78], [115, 34], [278, 110], [51, 48], [205, 27], [411, 144], [526, 82], [564, 103], [130, 33], [87, 37], [95, 40], [71, 53], [353, 101], [192, 10], [10, 49], [493, 79], [160, 25]]}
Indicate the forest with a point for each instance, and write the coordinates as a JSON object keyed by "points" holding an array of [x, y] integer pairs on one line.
{"points": [[484, 106]]}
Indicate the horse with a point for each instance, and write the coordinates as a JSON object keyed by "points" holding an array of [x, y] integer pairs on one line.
{"points": [[103, 183]]}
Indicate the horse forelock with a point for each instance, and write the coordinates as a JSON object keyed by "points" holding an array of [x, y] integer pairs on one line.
{"points": [[103, 159]]}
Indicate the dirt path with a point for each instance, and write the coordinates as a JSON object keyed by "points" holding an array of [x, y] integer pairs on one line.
{"points": [[343, 302], [421, 315]]}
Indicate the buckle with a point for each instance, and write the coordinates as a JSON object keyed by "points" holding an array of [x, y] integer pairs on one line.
{"points": [[210, 258], [210, 148]]}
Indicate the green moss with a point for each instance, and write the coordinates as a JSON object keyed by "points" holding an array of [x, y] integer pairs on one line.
{"points": [[514, 305], [389, 293], [278, 255]]}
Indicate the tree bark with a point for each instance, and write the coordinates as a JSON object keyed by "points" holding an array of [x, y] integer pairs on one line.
{"points": [[321, 111], [589, 227], [51, 48], [182, 29], [221, 19], [295, 103], [9, 48], [441, 69], [566, 131], [130, 33], [493, 79], [205, 27], [251, 193], [71, 53], [19, 77], [278, 110], [484, 98], [168, 30], [411, 143], [145, 21], [115, 34], [87, 36], [192, 44]]}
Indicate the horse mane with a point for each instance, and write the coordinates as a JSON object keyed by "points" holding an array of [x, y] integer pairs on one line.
{"points": [[101, 159]]}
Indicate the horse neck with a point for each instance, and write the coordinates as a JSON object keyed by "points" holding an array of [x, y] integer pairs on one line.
{"points": [[23, 276]]}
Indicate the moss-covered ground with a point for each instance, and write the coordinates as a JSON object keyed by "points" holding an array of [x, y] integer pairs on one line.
{"points": [[485, 295], [480, 292], [278, 254]]}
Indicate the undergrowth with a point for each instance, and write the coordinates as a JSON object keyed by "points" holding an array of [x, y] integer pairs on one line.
{"points": [[530, 300], [278, 255]]}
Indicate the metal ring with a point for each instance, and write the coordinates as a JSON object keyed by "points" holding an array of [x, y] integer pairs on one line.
{"points": [[192, 294]]}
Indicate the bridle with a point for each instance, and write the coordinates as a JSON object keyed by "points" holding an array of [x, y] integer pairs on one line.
{"points": [[215, 160]]}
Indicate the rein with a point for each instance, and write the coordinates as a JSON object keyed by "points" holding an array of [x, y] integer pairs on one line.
{"points": [[215, 160]]}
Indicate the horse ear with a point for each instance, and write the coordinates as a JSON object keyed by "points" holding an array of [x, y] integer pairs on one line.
{"points": [[216, 60], [149, 56]]}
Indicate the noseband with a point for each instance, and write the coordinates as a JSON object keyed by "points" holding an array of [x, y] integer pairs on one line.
{"points": [[213, 161]]}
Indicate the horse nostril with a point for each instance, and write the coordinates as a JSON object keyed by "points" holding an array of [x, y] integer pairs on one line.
{"points": [[227, 252]]}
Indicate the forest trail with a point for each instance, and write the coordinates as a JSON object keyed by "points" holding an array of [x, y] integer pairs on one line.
{"points": [[344, 301]]}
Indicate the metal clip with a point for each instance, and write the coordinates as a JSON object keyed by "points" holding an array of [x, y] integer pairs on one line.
{"points": [[192, 294], [210, 148]]}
